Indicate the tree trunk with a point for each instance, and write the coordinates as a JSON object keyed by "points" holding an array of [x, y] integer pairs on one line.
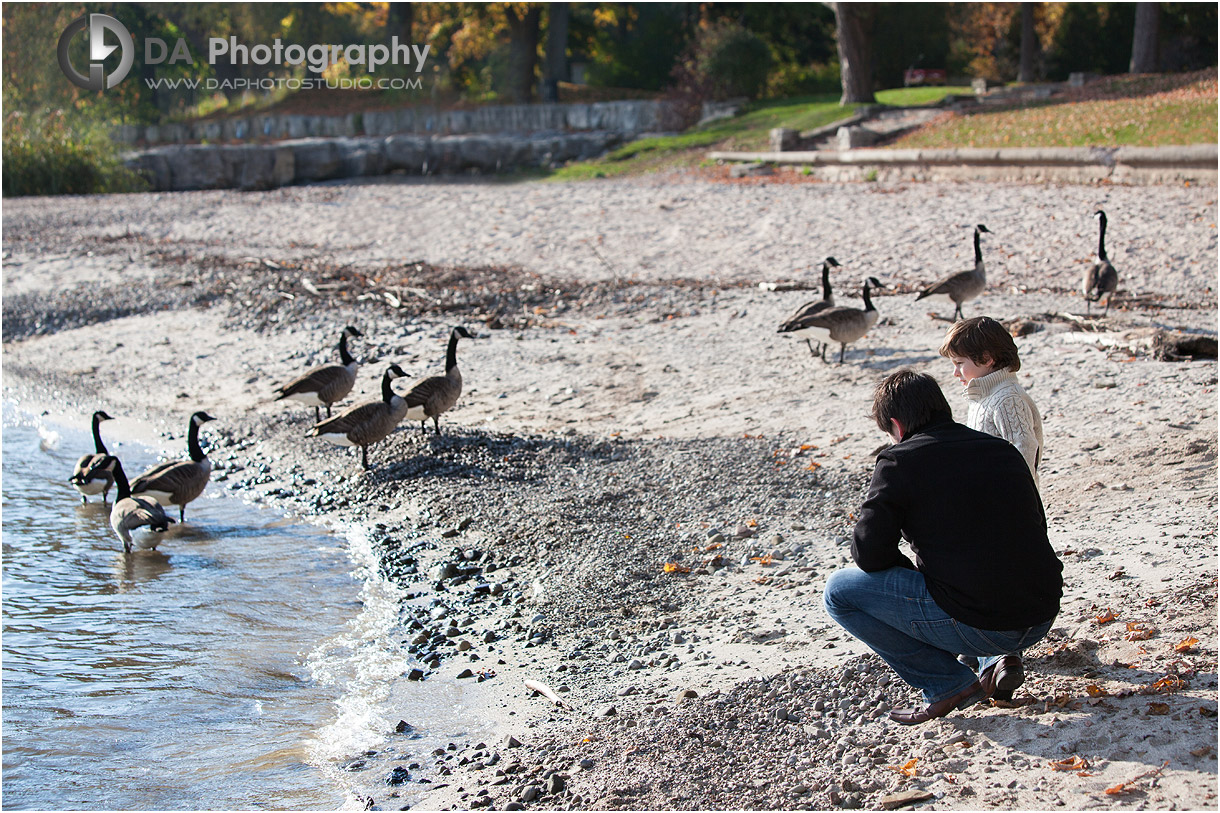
{"points": [[556, 51], [1029, 44], [853, 22], [1147, 31], [400, 22], [522, 53]]}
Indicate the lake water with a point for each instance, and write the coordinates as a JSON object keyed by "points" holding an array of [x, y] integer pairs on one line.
{"points": [[239, 666]]}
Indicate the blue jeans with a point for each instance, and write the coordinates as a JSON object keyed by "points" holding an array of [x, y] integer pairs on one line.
{"points": [[892, 611]]}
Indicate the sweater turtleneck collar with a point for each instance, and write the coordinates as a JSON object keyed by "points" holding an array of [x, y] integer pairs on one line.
{"points": [[983, 386]]}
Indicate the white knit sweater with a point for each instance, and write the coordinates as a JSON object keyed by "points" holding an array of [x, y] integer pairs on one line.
{"points": [[1000, 406]]}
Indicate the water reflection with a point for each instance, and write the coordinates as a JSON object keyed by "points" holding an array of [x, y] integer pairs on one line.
{"points": [[174, 678]]}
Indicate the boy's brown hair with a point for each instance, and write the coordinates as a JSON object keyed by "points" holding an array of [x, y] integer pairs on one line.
{"points": [[979, 339]]}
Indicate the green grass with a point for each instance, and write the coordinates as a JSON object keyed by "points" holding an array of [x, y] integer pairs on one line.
{"points": [[913, 97], [748, 131]]}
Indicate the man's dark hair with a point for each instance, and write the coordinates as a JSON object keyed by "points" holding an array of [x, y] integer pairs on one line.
{"points": [[913, 398]]}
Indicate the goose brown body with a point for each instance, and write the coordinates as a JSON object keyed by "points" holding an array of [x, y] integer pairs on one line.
{"points": [[965, 285], [438, 394], [86, 478], [368, 423], [178, 482], [1101, 278], [844, 325], [327, 384], [133, 513]]}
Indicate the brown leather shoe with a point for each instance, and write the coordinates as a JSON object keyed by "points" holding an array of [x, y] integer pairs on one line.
{"points": [[1003, 677], [966, 697]]}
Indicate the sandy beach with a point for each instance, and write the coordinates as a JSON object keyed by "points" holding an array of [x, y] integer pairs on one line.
{"points": [[640, 495]]}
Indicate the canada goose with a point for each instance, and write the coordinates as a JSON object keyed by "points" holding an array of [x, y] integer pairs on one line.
{"points": [[963, 286], [177, 482], [432, 396], [1101, 277], [130, 513], [794, 324], [100, 481], [327, 384], [844, 325], [365, 424]]}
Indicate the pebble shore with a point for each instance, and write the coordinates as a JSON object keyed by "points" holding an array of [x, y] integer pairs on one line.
{"points": [[637, 501]]}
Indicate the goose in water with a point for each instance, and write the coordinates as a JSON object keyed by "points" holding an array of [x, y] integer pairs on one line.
{"points": [[1101, 278], [795, 324], [177, 482], [100, 481], [137, 518], [844, 325], [365, 424], [963, 286], [432, 396], [327, 384]]}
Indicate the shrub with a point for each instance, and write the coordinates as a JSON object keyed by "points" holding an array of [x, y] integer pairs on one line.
{"points": [[734, 61], [803, 80], [49, 155]]}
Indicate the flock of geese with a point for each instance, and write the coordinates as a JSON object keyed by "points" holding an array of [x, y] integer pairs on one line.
{"points": [[822, 322], [138, 514], [139, 506]]}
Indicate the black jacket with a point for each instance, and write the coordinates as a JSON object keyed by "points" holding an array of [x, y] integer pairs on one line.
{"points": [[968, 506]]}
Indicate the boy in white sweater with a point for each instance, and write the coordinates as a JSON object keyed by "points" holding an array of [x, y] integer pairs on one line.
{"points": [[985, 360]]}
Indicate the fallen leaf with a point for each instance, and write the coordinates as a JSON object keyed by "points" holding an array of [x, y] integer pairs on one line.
{"points": [[1158, 708], [1096, 691], [1139, 632], [1105, 617], [673, 567], [1072, 763], [1169, 683], [906, 770], [1202, 751], [1185, 646]]}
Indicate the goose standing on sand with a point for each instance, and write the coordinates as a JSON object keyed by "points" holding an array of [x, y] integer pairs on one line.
{"points": [[100, 481], [177, 482], [963, 286], [365, 424], [133, 512], [794, 324], [432, 396], [327, 384], [1101, 278], [844, 325]]}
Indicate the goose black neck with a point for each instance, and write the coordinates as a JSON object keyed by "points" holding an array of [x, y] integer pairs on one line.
{"points": [[387, 392], [978, 251], [868, 302], [1101, 238], [345, 358], [120, 481], [192, 441], [825, 280], [98, 446], [451, 353]]}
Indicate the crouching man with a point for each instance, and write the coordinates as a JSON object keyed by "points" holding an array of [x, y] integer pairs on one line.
{"points": [[985, 583]]}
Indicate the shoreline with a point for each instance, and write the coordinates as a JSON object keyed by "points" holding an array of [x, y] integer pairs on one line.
{"points": [[616, 427]]}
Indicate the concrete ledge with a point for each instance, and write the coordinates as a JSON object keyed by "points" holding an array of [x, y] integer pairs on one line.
{"points": [[1195, 163]]}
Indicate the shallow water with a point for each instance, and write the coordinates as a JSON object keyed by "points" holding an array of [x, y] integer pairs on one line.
{"points": [[209, 673]]}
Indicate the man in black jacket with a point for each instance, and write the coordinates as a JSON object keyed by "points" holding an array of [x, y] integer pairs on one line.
{"points": [[985, 583]]}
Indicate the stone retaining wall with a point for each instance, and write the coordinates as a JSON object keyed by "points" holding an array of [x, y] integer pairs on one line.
{"points": [[628, 117], [1192, 163], [182, 167]]}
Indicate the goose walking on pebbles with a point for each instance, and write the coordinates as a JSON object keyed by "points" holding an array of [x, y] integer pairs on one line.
{"points": [[365, 424], [327, 384], [100, 480], [1101, 278], [177, 482], [844, 325], [433, 396], [795, 324], [134, 518], [963, 286]]}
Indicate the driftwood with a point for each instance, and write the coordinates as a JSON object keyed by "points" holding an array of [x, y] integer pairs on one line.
{"points": [[544, 690]]}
